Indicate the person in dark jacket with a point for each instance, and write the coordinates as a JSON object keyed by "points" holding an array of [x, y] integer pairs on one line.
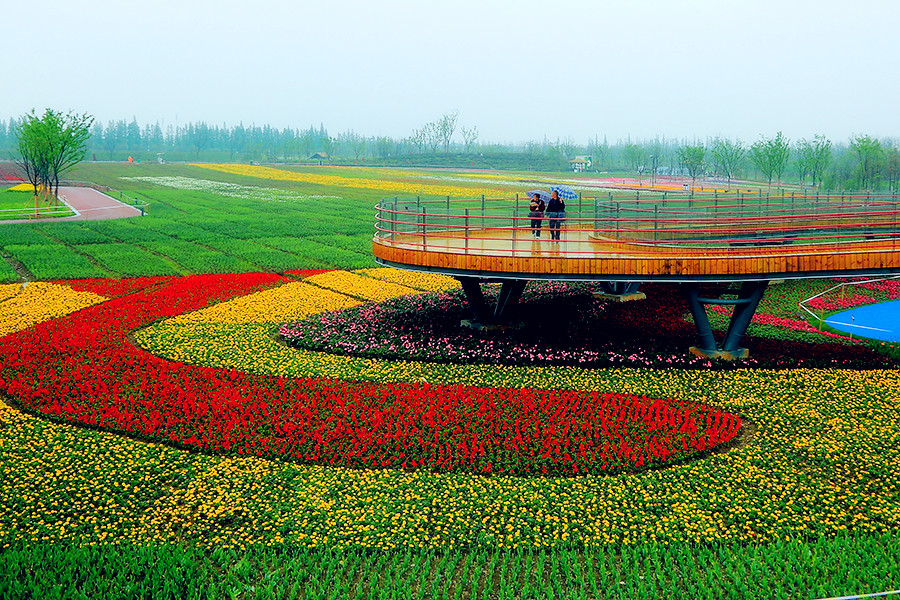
{"points": [[536, 212], [556, 212]]}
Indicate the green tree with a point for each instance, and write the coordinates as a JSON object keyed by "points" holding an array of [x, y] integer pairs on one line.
{"points": [[692, 159], [729, 156], [771, 155], [634, 155], [812, 158], [869, 157], [50, 145], [892, 165]]}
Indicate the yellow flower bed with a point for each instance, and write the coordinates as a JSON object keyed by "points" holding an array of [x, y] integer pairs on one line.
{"points": [[8, 290], [277, 305], [22, 187], [421, 281], [38, 301], [384, 185], [367, 288]]}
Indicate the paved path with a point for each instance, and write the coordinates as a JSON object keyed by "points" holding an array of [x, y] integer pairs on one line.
{"points": [[88, 205]]}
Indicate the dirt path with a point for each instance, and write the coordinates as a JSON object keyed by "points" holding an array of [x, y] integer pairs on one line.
{"points": [[88, 205]]}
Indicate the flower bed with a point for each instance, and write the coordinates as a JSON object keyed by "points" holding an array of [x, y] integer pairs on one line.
{"points": [[563, 324], [81, 369], [38, 301], [822, 463]]}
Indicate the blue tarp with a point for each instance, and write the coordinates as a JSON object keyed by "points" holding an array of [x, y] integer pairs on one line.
{"points": [[876, 321]]}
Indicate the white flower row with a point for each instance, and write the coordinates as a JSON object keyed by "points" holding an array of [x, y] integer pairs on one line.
{"points": [[230, 190]]}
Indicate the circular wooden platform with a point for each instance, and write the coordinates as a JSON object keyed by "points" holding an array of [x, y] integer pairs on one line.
{"points": [[647, 239]]}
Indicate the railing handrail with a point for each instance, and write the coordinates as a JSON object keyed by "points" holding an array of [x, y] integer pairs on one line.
{"points": [[832, 219]]}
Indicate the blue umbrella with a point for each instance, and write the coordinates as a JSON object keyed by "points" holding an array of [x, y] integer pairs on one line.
{"points": [[566, 193], [540, 194]]}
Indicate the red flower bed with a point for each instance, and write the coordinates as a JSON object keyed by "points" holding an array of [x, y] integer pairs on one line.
{"points": [[113, 288], [82, 369]]}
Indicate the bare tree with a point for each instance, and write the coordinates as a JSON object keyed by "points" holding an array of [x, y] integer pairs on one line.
{"points": [[446, 126], [432, 135], [470, 136]]}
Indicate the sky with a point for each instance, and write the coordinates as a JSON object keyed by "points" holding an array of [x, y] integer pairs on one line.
{"points": [[518, 71]]}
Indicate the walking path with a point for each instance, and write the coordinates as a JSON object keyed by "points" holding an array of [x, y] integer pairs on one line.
{"points": [[88, 205]]}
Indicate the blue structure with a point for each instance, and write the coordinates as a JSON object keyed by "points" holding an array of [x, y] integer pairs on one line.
{"points": [[874, 321]]}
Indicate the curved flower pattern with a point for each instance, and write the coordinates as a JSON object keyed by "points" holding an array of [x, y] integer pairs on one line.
{"points": [[82, 370]]}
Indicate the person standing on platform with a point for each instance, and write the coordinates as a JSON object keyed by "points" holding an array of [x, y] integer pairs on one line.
{"points": [[556, 212], [536, 212]]}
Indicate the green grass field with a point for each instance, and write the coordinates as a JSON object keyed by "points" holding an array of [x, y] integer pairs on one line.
{"points": [[253, 225]]}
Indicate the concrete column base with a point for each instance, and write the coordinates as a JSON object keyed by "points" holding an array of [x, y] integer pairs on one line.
{"points": [[620, 297], [720, 354]]}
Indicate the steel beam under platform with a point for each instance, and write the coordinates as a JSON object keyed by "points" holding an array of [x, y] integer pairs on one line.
{"points": [[498, 316], [745, 305]]}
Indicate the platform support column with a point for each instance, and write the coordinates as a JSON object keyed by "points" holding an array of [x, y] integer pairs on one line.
{"points": [[510, 293], [745, 306]]}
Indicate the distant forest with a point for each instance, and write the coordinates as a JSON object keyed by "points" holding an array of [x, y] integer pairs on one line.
{"points": [[862, 162]]}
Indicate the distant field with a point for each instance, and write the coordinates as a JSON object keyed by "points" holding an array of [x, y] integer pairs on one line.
{"points": [[229, 219]]}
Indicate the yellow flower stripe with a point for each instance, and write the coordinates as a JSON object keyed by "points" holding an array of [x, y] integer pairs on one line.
{"points": [[38, 301], [22, 187], [393, 187], [277, 305], [421, 281], [8, 290], [358, 286]]}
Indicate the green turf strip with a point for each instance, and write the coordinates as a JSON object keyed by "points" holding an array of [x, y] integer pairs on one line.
{"points": [[789, 570], [55, 261]]}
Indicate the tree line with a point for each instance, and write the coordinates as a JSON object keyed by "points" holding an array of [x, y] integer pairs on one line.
{"points": [[862, 162]]}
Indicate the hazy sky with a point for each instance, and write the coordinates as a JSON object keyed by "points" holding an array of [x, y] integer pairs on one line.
{"points": [[518, 70]]}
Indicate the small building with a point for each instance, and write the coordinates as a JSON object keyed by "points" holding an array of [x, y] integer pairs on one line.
{"points": [[581, 163], [322, 157]]}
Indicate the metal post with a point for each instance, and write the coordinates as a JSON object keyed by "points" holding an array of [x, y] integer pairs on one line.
{"points": [[617, 221], [467, 230], [482, 211], [655, 222], [515, 225], [424, 239], [394, 222]]}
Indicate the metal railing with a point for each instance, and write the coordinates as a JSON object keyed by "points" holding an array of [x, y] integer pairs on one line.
{"points": [[487, 225]]}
